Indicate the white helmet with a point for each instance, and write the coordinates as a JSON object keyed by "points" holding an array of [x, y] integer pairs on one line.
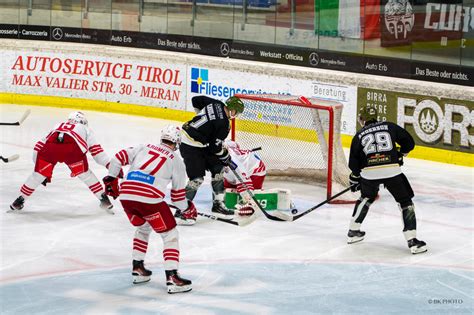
{"points": [[77, 118], [231, 144], [171, 133]]}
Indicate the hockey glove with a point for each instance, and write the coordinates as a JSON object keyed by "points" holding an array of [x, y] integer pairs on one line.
{"points": [[190, 212], [111, 186], [224, 157], [400, 157], [354, 181]]}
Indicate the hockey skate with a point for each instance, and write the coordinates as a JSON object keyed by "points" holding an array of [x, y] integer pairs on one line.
{"points": [[175, 283], [140, 273], [106, 204], [221, 211], [18, 204], [354, 236], [417, 246]]}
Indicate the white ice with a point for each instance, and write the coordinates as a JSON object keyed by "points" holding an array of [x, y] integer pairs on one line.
{"points": [[62, 254]]}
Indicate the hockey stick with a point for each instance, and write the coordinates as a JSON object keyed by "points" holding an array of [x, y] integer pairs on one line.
{"points": [[22, 119], [256, 149], [296, 217], [10, 158], [243, 222], [279, 216]]}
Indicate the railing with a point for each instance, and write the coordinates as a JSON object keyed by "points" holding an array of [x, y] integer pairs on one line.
{"points": [[404, 37]]}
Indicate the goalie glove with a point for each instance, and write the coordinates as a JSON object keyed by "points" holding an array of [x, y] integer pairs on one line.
{"points": [[354, 181], [111, 186], [245, 209]]}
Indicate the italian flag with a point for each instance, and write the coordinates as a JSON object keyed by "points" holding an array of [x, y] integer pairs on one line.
{"points": [[348, 18]]}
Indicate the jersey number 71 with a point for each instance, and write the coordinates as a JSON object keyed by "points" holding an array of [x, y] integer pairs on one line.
{"points": [[154, 156]]}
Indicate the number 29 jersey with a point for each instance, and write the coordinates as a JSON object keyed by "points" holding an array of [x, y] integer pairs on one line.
{"points": [[374, 154], [152, 168]]}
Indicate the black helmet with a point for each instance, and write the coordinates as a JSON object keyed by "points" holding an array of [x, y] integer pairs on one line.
{"points": [[367, 114]]}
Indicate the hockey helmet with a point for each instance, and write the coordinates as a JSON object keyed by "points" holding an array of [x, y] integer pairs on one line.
{"points": [[172, 134], [367, 114], [236, 104], [77, 118], [231, 144]]}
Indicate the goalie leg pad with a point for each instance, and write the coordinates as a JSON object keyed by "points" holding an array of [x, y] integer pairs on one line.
{"points": [[257, 181]]}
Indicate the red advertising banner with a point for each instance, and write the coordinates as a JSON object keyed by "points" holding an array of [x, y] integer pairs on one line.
{"points": [[437, 21]]}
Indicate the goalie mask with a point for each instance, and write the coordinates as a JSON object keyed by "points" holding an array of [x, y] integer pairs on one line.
{"points": [[171, 134], [77, 118]]}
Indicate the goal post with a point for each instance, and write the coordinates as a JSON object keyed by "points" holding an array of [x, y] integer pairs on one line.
{"points": [[300, 138]]}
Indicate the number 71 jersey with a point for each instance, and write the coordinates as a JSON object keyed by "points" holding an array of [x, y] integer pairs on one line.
{"points": [[152, 168]]}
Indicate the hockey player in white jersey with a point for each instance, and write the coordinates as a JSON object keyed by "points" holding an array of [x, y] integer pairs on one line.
{"points": [[68, 143], [142, 192], [252, 170]]}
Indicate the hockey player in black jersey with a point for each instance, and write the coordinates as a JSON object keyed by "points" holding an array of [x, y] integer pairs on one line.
{"points": [[202, 150], [374, 160]]}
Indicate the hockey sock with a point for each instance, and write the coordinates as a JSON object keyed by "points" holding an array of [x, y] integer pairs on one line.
{"points": [[192, 187], [217, 183], [170, 249], [33, 181], [92, 182], [360, 211], [140, 241], [409, 219]]}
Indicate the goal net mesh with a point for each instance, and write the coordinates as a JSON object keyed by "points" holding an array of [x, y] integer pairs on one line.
{"points": [[300, 138]]}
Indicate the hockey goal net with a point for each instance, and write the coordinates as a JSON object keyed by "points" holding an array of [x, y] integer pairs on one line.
{"points": [[300, 138]]}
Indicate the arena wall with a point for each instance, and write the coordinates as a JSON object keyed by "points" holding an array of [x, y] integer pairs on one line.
{"points": [[161, 84]]}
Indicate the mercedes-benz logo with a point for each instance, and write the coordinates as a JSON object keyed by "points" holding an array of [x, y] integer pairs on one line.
{"points": [[313, 59], [57, 33], [225, 49]]}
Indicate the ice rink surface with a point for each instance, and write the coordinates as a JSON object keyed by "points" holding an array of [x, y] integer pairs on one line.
{"points": [[62, 254]]}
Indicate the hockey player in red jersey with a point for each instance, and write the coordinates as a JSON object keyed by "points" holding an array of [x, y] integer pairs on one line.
{"points": [[252, 170], [142, 192], [68, 143]]}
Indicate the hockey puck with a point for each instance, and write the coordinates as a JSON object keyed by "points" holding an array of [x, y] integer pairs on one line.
{"points": [[294, 211]]}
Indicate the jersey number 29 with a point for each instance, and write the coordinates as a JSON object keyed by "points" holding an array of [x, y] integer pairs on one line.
{"points": [[377, 142]]}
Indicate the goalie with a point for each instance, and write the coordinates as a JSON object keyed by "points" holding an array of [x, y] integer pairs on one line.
{"points": [[253, 171]]}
